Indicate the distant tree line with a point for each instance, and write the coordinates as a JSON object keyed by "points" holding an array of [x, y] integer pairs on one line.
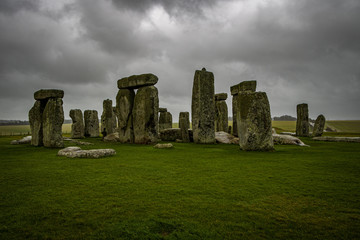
{"points": [[284, 118], [20, 122]]}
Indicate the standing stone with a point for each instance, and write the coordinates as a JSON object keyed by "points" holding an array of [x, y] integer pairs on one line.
{"points": [[145, 114], [91, 123], [165, 120], [221, 112], [184, 125], [203, 107], [162, 110], [77, 127], [114, 118], [254, 122], [302, 121], [243, 86], [124, 108], [35, 120], [107, 121], [319, 126], [53, 118]]}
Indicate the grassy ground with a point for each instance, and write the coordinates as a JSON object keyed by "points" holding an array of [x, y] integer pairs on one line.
{"points": [[189, 192]]}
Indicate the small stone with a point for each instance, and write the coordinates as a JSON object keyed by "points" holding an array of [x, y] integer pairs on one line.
{"points": [[302, 121], [48, 93], [137, 81], [220, 96], [319, 126], [163, 145]]}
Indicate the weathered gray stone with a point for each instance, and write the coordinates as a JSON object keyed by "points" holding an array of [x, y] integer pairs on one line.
{"points": [[243, 86], [77, 127], [112, 137], [36, 125], [77, 152], [145, 115], [164, 145], [184, 125], [229, 129], [319, 126], [91, 123], [220, 96], [203, 107], [24, 140], [170, 134], [77, 142], [53, 118], [254, 122], [114, 118], [234, 112], [226, 138], [137, 81], [162, 110], [280, 139], [43, 94], [302, 121], [124, 107], [107, 121], [221, 116], [165, 120]]}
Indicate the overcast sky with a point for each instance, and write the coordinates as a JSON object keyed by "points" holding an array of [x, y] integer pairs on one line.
{"points": [[298, 51]]}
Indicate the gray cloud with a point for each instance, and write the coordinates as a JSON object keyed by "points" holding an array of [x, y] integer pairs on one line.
{"points": [[304, 51]]}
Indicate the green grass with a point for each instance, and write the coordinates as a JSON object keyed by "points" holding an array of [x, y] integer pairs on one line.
{"points": [[345, 126], [25, 129], [189, 192]]}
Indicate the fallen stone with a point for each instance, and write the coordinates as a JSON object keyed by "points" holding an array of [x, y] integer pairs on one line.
{"points": [[319, 126], [170, 134], [137, 81], [24, 140], [48, 93], [302, 121], [163, 145], [280, 139], [77, 142], [203, 107], [338, 139], [91, 123], [53, 118], [226, 138], [220, 96], [77, 127], [112, 137], [77, 152], [179, 141], [288, 133]]}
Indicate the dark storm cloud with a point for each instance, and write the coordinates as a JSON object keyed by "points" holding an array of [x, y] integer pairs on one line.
{"points": [[299, 51]]}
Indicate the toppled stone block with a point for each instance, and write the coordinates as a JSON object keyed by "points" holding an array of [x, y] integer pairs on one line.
{"points": [[170, 134], [145, 115], [53, 118], [124, 107], [280, 139], [77, 127], [112, 137], [203, 107], [254, 122], [137, 81], [220, 96], [302, 121], [164, 145], [319, 126], [226, 138], [91, 123], [77, 152], [24, 140], [43, 94]]}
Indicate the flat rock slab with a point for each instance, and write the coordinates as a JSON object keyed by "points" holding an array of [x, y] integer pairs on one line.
{"points": [[243, 86], [226, 138], [280, 139], [137, 81], [164, 145], [220, 96], [77, 142], [48, 93], [24, 140], [77, 152], [338, 139]]}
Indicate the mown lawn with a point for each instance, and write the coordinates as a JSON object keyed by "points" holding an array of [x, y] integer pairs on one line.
{"points": [[189, 192]]}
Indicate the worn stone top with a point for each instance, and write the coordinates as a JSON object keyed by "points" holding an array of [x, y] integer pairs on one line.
{"points": [[48, 93], [220, 96], [137, 81], [162, 109], [243, 86]]}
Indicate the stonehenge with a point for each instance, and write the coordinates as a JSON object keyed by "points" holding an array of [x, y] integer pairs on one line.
{"points": [[221, 113], [77, 127], [203, 107], [302, 121], [91, 120], [138, 120], [243, 86], [253, 119], [319, 126], [46, 118], [165, 119]]}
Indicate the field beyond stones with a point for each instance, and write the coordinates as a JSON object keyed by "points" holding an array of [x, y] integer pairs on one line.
{"points": [[190, 192]]}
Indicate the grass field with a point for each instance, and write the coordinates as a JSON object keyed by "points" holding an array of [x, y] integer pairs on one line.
{"points": [[189, 192]]}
